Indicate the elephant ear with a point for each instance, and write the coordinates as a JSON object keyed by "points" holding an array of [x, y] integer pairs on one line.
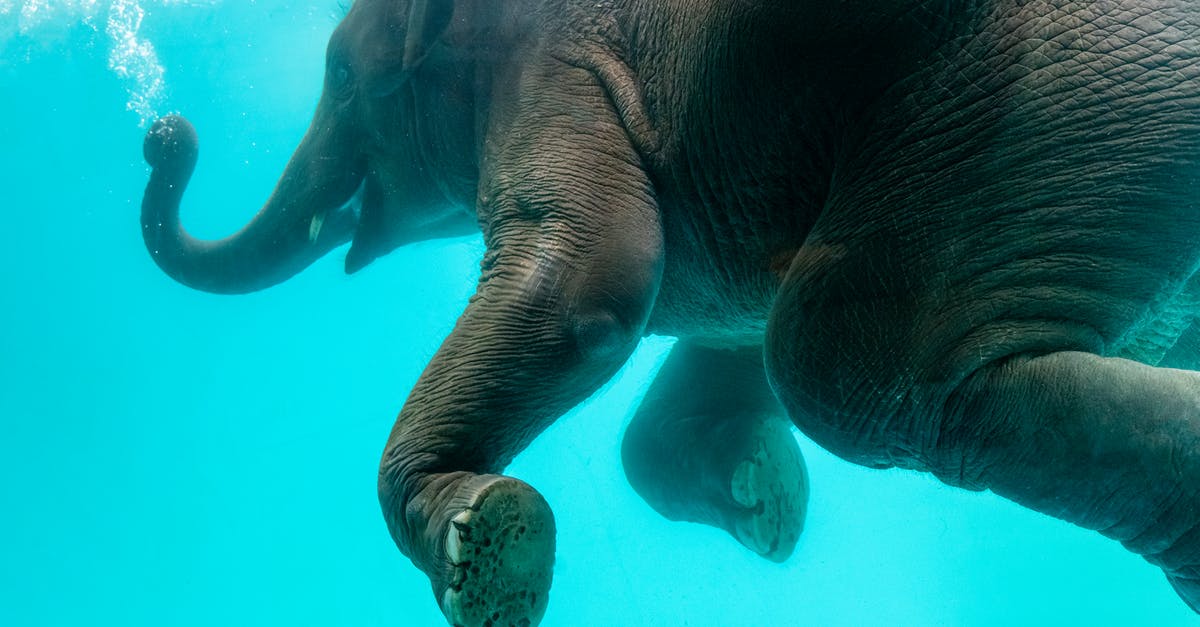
{"points": [[427, 19], [425, 22]]}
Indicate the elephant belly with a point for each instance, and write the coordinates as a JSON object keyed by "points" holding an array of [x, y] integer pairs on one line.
{"points": [[696, 302], [723, 265]]}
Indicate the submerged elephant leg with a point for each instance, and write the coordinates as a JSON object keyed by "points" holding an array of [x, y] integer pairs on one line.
{"points": [[958, 304], [572, 268], [711, 444], [913, 375], [1108, 444], [487, 543]]}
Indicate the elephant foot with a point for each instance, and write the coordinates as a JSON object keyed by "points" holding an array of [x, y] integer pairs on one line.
{"points": [[501, 552], [771, 486]]}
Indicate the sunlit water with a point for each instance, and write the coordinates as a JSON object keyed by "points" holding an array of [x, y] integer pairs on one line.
{"points": [[169, 457]]}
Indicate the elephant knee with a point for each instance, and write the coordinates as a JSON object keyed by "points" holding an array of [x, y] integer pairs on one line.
{"points": [[601, 336]]}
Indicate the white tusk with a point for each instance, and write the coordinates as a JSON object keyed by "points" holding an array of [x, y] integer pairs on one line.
{"points": [[314, 227]]}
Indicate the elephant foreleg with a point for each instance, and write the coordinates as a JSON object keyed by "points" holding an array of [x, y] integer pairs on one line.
{"points": [[573, 263], [711, 444]]}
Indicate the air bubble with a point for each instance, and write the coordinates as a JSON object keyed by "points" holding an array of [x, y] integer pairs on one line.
{"points": [[130, 56]]}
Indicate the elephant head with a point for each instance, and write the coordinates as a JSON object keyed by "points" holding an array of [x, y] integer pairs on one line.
{"points": [[389, 158]]}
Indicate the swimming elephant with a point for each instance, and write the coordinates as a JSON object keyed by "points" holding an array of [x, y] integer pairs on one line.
{"points": [[954, 237]]}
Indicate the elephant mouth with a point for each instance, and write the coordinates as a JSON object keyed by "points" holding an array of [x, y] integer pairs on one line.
{"points": [[382, 216], [365, 207], [348, 213]]}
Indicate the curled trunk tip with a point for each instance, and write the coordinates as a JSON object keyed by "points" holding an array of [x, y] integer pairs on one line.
{"points": [[171, 144]]}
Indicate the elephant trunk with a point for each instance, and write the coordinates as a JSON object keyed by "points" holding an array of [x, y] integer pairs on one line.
{"points": [[309, 213]]}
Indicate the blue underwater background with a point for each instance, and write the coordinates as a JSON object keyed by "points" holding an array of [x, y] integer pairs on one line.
{"points": [[169, 457]]}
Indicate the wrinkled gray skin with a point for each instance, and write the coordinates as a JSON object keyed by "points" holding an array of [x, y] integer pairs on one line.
{"points": [[960, 234]]}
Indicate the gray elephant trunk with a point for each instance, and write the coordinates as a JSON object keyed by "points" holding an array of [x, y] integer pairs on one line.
{"points": [[294, 228]]}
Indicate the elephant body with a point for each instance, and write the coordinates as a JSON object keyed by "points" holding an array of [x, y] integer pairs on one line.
{"points": [[955, 237]]}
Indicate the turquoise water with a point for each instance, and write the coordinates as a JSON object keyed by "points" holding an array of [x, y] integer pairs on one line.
{"points": [[169, 457]]}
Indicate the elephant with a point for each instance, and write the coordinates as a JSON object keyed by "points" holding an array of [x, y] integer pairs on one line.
{"points": [[955, 237]]}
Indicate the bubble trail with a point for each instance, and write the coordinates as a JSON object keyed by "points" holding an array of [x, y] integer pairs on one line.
{"points": [[130, 56]]}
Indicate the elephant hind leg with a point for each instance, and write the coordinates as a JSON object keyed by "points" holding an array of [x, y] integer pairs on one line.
{"points": [[1106, 443], [710, 444], [1025, 407]]}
